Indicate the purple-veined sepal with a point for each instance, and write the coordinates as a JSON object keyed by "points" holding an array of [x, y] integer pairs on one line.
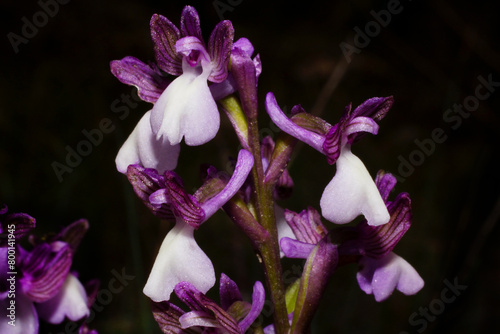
{"points": [[148, 79], [146, 181], [45, 269], [69, 303], [15, 224]]}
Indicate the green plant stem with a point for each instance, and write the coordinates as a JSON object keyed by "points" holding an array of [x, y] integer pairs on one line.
{"points": [[268, 250]]}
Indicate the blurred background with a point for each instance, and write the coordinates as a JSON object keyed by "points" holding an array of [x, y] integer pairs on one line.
{"points": [[430, 55]]}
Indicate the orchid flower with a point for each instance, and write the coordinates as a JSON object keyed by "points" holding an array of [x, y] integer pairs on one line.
{"points": [[233, 316], [44, 287], [184, 107], [352, 191], [382, 271], [180, 258]]}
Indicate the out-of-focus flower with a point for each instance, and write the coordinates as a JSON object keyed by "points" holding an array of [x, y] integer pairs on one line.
{"points": [[45, 288]]}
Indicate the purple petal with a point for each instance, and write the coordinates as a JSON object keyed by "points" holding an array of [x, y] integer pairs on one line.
{"points": [[20, 224], [73, 233], [24, 318], [258, 300], [142, 147], [243, 71], [187, 109], [294, 249], [243, 167], [45, 269], [357, 125], [149, 81], [223, 89], [245, 45], [286, 125], [188, 46], [258, 65], [165, 34], [379, 241], [332, 146], [70, 302], [376, 108], [219, 47], [183, 204], [167, 316], [266, 151], [91, 289], [385, 182], [160, 197], [145, 181], [228, 291], [198, 319], [190, 23], [197, 301], [306, 225], [352, 192], [179, 259], [284, 186]]}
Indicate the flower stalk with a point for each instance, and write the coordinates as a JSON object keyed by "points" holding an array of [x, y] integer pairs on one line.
{"points": [[190, 81]]}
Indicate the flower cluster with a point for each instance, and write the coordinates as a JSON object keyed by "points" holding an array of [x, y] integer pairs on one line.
{"points": [[189, 82], [45, 288]]}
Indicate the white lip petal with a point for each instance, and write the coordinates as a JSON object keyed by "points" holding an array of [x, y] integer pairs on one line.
{"points": [[352, 192], [381, 276], [187, 109], [179, 259], [142, 147], [23, 319], [70, 302]]}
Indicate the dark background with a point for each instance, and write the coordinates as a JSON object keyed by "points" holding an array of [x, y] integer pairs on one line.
{"points": [[429, 57]]}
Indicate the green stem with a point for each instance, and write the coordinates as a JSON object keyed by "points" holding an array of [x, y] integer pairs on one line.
{"points": [[268, 250]]}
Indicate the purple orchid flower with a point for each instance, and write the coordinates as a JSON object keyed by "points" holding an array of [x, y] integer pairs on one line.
{"points": [[184, 107], [44, 288], [382, 271], [180, 258], [352, 191], [234, 316], [308, 231]]}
